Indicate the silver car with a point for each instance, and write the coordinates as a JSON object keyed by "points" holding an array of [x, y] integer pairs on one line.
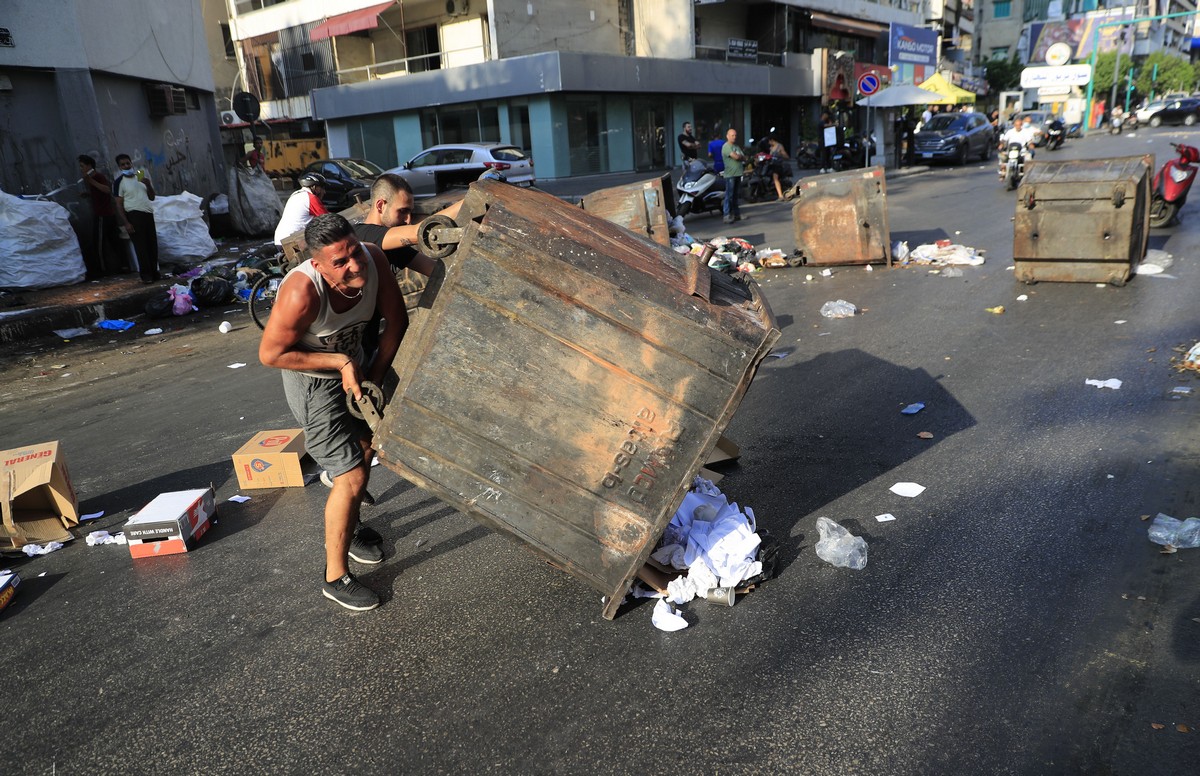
{"points": [[454, 164]]}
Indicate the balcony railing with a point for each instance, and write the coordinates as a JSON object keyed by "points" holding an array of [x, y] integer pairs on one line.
{"points": [[396, 67]]}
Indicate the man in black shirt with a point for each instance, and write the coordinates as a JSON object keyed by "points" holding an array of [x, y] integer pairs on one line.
{"points": [[389, 224], [688, 144]]}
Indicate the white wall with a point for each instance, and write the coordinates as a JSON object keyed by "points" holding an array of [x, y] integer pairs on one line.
{"points": [[664, 28], [556, 25]]}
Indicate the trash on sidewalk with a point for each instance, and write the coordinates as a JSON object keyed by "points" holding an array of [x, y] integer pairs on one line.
{"points": [[91, 516], [1190, 360], [171, 523], [943, 255], [239, 499], [181, 301], [839, 547], [37, 498], [104, 537], [114, 324], [839, 309], [1155, 262], [182, 233], [69, 334], [907, 489], [1172, 532], [667, 618], [237, 365], [271, 459], [1111, 382], [913, 409], [152, 332], [225, 327], [33, 550], [997, 310]]}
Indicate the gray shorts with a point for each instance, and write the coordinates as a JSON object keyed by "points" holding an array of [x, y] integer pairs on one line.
{"points": [[331, 433]]}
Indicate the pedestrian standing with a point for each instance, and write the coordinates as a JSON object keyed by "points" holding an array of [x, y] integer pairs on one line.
{"points": [[714, 152], [734, 159], [688, 144], [107, 255], [256, 159], [134, 191], [827, 135]]}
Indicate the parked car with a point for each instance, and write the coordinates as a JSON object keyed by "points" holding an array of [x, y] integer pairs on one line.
{"points": [[1036, 119], [1177, 112], [1149, 109], [438, 168], [346, 180], [955, 137]]}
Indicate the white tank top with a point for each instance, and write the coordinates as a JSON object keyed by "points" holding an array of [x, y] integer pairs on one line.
{"points": [[334, 332]]}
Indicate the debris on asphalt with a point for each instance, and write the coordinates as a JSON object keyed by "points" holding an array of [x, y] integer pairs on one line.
{"points": [[91, 516], [239, 499], [1120, 322], [1172, 532], [1191, 359], [104, 537], [1023, 298], [225, 327], [907, 489], [913, 409], [839, 309], [924, 435], [1181, 390], [886, 517], [114, 325], [997, 310], [826, 273], [1111, 382], [236, 365], [667, 618], [152, 332], [839, 547], [72, 333], [948, 272], [33, 550], [940, 255]]}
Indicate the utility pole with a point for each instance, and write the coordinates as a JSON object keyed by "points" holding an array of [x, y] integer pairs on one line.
{"points": [[1112, 102]]}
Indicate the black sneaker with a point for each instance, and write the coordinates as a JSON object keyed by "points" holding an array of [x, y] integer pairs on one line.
{"points": [[366, 534], [365, 552], [349, 593]]}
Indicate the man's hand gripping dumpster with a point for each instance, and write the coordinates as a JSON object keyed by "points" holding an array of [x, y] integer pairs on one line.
{"points": [[315, 336]]}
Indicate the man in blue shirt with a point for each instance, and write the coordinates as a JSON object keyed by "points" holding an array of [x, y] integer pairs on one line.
{"points": [[714, 152]]}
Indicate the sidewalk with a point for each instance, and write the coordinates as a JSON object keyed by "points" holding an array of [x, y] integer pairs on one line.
{"points": [[26, 316]]}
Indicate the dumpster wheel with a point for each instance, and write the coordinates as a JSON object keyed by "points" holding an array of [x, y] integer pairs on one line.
{"points": [[438, 236]]}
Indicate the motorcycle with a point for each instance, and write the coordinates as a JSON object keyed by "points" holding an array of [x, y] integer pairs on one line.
{"points": [[758, 179], [1055, 135], [1014, 165], [1115, 123], [1172, 184], [852, 154], [700, 190], [808, 155]]}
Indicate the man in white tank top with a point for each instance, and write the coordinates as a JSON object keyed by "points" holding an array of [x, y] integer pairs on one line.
{"points": [[315, 336]]}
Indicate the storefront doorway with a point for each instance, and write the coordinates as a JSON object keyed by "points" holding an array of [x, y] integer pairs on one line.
{"points": [[649, 135]]}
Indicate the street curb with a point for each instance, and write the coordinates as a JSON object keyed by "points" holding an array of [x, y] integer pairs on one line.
{"points": [[42, 323]]}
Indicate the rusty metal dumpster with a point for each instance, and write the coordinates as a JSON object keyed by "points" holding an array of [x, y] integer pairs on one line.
{"points": [[1083, 221], [842, 218], [643, 208], [567, 379]]}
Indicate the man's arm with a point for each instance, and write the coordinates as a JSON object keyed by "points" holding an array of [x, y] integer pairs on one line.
{"points": [[296, 307], [121, 210], [94, 181], [406, 236], [149, 188], [389, 303]]}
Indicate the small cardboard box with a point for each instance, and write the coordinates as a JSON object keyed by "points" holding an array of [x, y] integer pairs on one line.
{"points": [[37, 499], [271, 459], [172, 523], [8, 587]]}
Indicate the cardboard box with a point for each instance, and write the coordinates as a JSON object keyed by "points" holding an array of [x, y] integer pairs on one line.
{"points": [[170, 524], [37, 499], [8, 587], [271, 459]]}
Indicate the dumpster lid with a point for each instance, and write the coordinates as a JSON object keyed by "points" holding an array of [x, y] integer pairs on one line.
{"points": [[1124, 169]]}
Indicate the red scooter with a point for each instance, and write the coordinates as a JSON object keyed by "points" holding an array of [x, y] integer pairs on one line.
{"points": [[1172, 184]]}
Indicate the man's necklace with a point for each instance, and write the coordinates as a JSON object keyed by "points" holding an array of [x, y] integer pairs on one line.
{"points": [[343, 293]]}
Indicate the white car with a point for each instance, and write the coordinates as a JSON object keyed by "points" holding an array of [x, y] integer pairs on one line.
{"points": [[1149, 109], [454, 164]]}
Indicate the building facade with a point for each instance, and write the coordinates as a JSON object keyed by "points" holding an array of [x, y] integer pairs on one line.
{"points": [[586, 88]]}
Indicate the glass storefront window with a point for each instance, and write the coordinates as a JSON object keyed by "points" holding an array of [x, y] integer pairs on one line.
{"points": [[586, 131]]}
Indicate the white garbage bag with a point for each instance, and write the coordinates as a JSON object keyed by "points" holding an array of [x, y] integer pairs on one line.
{"points": [[38, 247], [182, 234]]}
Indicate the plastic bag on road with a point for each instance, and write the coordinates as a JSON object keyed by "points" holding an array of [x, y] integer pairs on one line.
{"points": [[210, 290], [1181, 534], [839, 309], [839, 547]]}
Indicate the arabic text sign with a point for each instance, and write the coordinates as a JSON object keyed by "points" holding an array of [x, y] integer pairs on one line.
{"points": [[1066, 75]]}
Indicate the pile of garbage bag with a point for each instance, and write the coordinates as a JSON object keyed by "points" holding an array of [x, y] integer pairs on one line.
{"points": [[733, 254]]}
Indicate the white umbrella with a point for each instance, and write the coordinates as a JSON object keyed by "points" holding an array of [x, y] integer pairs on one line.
{"points": [[903, 94]]}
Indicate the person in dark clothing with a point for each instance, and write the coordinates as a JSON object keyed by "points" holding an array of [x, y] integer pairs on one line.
{"points": [[107, 255], [826, 147], [688, 144]]}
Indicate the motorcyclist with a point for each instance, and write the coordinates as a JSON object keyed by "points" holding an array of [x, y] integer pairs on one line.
{"points": [[1023, 135], [303, 206]]}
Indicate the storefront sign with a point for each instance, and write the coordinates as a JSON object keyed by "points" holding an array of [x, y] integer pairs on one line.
{"points": [[1066, 75], [739, 48], [912, 46]]}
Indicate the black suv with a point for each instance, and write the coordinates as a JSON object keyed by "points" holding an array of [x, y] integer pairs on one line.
{"points": [[955, 137]]}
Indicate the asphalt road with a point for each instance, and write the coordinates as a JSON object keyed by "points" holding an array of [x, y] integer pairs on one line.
{"points": [[1012, 619]]}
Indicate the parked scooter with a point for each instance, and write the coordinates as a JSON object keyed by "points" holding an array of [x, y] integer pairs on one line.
{"points": [[1172, 184], [1014, 165], [1115, 121], [758, 181], [808, 155], [853, 153], [1056, 134], [700, 190]]}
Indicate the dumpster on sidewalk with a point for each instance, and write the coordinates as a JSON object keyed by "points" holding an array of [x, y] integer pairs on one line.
{"points": [[1084, 221], [643, 208], [842, 218], [565, 380]]}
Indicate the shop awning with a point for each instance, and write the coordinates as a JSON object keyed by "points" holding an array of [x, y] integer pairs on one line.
{"points": [[937, 83], [346, 23], [847, 26]]}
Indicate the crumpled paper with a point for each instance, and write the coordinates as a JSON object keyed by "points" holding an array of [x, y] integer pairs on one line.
{"points": [[37, 549], [667, 618], [104, 537]]}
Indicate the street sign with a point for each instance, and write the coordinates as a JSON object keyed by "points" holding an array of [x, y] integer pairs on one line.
{"points": [[868, 84], [1064, 75]]}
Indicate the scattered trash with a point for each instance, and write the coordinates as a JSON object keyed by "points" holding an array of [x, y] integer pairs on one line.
{"points": [[72, 333], [997, 310], [913, 409], [1191, 360], [41, 549], [924, 435], [181, 300], [779, 354], [899, 251], [839, 547], [1148, 269], [152, 332], [869, 268], [237, 365], [239, 499], [225, 327], [1023, 298], [1120, 322], [1111, 382], [712, 539], [907, 489], [114, 325], [886, 517], [943, 252], [839, 309], [667, 618], [92, 516], [1171, 532], [104, 537], [826, 273], [950, 272], [1181, 390]]}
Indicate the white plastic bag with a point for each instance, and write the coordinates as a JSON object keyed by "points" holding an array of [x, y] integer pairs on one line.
{"points": [[38, 247], [182, 234], [839, 309]]}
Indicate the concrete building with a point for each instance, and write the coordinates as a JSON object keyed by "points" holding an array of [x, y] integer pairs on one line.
{"points": [[587, 88], [104, 77]]}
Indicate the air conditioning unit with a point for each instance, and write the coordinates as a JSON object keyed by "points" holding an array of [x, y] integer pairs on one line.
{"points": [[229, 118], [457, 7]]}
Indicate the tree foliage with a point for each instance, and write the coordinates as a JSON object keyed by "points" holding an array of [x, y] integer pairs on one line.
{"points": [[1102, 76], [1175, 74], [1003, 75]]}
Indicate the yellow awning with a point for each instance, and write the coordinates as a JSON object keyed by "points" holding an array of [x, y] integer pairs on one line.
{"points": [[936, 83]]}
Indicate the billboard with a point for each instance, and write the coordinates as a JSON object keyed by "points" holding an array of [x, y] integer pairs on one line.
{"points": [[912, 46]]}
